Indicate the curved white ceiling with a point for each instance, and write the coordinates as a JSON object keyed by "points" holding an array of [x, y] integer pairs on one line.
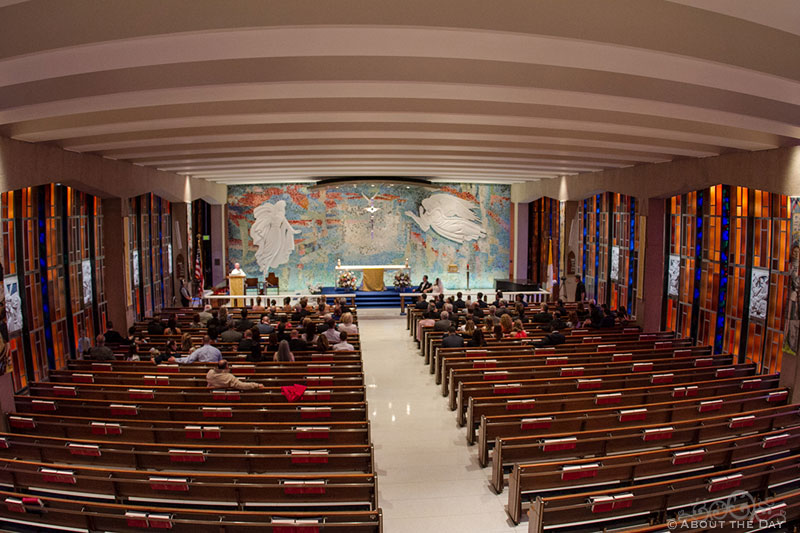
{"points": [[467, 90]]}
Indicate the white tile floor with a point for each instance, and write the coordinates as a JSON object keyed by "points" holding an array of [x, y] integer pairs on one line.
{"points": [[428, 477]]}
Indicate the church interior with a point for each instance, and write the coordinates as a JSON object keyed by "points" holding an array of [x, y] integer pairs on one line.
{"points": [[381, 266]]}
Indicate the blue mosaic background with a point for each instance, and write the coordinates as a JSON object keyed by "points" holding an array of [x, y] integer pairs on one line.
{"points": [[333, 225]]}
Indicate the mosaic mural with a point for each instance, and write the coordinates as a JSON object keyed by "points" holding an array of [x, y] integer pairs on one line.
{"points": [[369, 225]]}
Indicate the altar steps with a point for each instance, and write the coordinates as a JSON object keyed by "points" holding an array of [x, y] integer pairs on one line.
{"points": [[373, 299]]}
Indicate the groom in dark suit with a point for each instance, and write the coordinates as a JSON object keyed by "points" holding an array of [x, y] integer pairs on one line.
{"points": [[425, 286]]}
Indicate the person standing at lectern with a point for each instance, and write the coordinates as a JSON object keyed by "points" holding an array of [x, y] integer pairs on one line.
{"points": [[237, 270], [425, 286]]}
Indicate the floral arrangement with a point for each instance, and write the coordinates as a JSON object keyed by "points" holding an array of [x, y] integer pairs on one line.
{"points": [[347, 280], [402, 280]]}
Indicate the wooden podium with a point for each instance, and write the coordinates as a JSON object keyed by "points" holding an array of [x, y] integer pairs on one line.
{"points": [[236, 288]]}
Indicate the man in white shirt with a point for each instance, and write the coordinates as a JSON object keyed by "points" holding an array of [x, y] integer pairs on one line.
{"points": [[237, 270], [343, 345], [204, 354]]}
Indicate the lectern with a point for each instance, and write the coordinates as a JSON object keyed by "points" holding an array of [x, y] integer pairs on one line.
{"points": [[236, 288]]}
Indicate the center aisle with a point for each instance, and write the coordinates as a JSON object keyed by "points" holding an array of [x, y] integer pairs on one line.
{"points": [[428, 478]]}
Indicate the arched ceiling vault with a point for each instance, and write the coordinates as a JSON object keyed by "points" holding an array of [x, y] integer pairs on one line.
{"points": [[466, 90]]}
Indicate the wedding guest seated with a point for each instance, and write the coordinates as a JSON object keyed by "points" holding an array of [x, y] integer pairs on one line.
{"points": [[231, 335], [246, 343], [264, 327], [507, 324], [284, 353], [195, 323], [444, 323], [558, 322], [101, 352], [287, 305], [186, 343], [157, 357], [595, 316], [452, 339], [477, 310], [134, 339], [322, 327], [343, 345], [296, 344], [214, 321], [112, 336], [438, 300], [429, 320], [520, 299], [258, 308], [493, 315], [221, 378], [468, 328], [205, 354], [322, 345], [502, 309], [245, 323], [478, 339], [497, 297], [310, 333], [498, 332], [560, 307], [554, 338], [422, 302], [581, 312], [347, 324], [205, 315], [331, 333], [459, 302], [544, 316], [172, 327], [518, 330], [488, 325], [272, 342], [432, 312], [482, 301], [608, 320]]}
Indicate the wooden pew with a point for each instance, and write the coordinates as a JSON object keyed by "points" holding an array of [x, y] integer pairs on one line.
{"points": [[194, 412], [56, 514], [530, 480], [481, 359], [115, 393], [640, 502], [776, 513], [598, 383], [497, 405], [548, 446], [233, 490], [193, 381], [543, 367], [189, 457], [577, 420], [243, 433]]}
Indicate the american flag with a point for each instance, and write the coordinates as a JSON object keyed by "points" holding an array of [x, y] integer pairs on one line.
{"points": [[198, 272]]}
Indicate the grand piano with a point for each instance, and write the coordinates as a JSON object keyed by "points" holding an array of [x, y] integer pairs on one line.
{"points": [[516, 285]]}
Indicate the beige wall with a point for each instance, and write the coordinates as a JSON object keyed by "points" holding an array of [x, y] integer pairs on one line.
{"points": [[25, 165], [775, 171]]}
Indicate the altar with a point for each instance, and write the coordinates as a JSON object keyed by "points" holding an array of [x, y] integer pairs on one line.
{"points": [[372, 274]]}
